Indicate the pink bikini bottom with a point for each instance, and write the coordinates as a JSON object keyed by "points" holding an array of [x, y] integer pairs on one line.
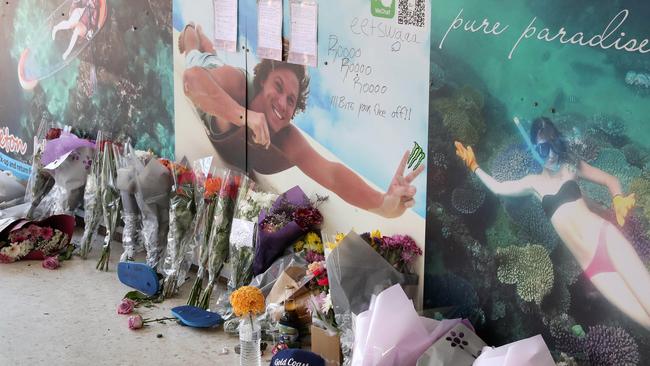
{"points": [[601, 262]]}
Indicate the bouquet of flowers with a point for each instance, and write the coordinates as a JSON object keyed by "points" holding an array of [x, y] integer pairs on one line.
{"points": [[131, 237], [40, 181], [110, 199], [220, 232], [153, 186], [68, 159], [36, 240], [400, 251], [92, 200], [206, 198], [181, 223], [290, 217], [311, 246]]}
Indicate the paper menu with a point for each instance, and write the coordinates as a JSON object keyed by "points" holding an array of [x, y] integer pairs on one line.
{"points": [[225, 25], [269, 28], [304, 25]]}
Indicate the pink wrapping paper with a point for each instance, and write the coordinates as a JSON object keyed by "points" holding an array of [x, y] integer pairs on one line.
{"points": [[530, 352], [392, 333]]}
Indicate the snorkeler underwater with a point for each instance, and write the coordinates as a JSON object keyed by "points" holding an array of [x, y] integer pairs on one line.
{"points": [[538, 191]]}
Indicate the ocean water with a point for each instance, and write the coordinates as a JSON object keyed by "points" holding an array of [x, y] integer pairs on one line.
{"points": [[544, 76]]}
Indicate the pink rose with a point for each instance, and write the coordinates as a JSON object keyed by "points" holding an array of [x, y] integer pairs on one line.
{"points": [[126, 306], [135, 322], [51, 263]]}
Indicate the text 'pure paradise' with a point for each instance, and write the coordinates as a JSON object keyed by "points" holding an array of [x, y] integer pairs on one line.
{"points": [[612, 36]]}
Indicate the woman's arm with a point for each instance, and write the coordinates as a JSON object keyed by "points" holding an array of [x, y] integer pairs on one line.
{"points": [[513, 188], [521, 187], [598, 176]]}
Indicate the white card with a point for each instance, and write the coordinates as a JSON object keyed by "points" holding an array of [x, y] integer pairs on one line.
{"points": [[304, 25], [269, 29], [225, 25]]}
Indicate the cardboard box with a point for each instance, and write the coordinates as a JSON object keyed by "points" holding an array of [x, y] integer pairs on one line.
{"points": [[327, 346]]}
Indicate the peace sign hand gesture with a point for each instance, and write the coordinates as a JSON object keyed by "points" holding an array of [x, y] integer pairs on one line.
{"points": [[400, 193]]}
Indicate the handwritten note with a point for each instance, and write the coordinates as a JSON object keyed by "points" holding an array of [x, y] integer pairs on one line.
{"points": [[225, 25], [304, 25], [269, 28]]}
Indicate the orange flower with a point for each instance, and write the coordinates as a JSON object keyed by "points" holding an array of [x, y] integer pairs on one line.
{"points": [[247, 300], [212, 186], [167, 164]]}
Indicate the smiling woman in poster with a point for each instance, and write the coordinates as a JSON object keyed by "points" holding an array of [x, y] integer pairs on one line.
{"points": [[607, 258], [275, 94]]}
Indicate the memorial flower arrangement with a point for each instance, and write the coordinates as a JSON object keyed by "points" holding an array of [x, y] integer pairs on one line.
{"points": [[111, 200], [206, 198], [220, 232], [290, 217], [92, 200], [182, 209]]}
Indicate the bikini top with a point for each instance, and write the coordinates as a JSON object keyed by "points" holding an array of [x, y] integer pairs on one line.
{"points": [[569, 192]]}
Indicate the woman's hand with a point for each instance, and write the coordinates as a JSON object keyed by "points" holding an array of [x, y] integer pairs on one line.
{"points": [[467, 154], [400, 193], [260, 128], [622, 205]]}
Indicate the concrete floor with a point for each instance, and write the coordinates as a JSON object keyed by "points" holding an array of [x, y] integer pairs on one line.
{"points": [[68, 317]]}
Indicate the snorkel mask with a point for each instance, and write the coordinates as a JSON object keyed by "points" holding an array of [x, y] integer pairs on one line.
{"points": [[541, 151]]}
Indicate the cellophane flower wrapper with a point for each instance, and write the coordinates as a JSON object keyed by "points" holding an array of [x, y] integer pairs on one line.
{"points": [[131, 232], [11, 191], [271, 244], [220, 232], [110, 199], [40, 180], [356, 272], [92, 200], [206, 198], [181, 227], [68, 159], [153, 187]]}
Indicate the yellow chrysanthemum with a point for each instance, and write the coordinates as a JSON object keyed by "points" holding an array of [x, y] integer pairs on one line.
{"points": [[299, 245], [247, 300], [313, 242], [376, 234], [339, 237]]}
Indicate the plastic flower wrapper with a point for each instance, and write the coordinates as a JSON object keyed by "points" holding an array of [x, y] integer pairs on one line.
{"points": [[68, 158], [249, 209], [131, 233], [320, 307], [11, 191], [390, 332], [40, 180], [356, 272], [153, 185], [531, 351], [287, 220], [181, 225], [110, 199], [92, 200], [206, 198], [219, 244]]}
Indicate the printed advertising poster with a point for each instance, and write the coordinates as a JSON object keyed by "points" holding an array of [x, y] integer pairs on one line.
{"points": [[341, 128], [90, 64], [538, 215]]}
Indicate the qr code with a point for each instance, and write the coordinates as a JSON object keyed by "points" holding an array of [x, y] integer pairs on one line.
{"points": [[411, 14]]}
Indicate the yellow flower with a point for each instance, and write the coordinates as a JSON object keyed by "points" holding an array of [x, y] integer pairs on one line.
{"points": [[339, 237], [299, 245], [376, 234], [247, 300], [313, 242]]}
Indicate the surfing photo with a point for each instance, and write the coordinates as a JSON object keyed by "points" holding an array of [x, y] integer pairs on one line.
{"points": [[89, 64]]}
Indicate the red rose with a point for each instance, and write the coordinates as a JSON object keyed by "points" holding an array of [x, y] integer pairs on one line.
{"points": [[186, 178], [53, 133], [323, 282], [318, 271]]}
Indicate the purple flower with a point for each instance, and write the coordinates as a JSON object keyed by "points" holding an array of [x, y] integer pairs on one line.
{"points": [[51, 263], [313, 256]]}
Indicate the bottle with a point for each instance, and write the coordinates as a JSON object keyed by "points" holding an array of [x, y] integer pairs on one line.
{"points": [[249, 342], [289, 323]]}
